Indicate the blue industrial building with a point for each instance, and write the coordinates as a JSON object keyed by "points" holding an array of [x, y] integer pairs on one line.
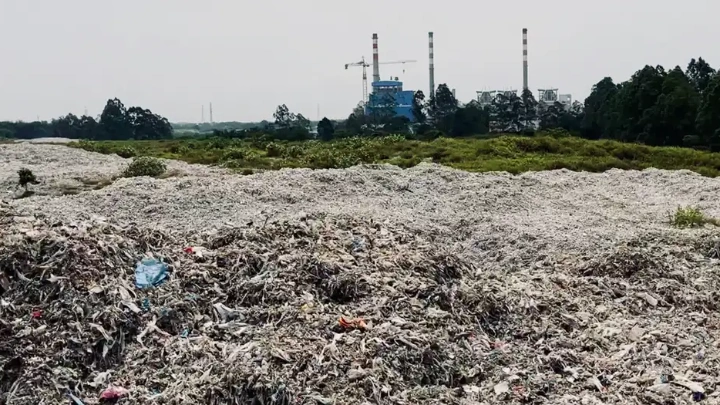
{"points": [[402, 99]]}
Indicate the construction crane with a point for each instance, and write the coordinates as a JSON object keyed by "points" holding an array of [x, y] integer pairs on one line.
{"points": [[366, 65]]}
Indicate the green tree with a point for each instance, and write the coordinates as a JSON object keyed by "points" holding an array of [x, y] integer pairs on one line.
{"points": [[146, 125], [442, 108], [472, 119], [600, 116], [551, 115], [357, 121], [505, 113], [418, 107], [528, 110], [700, 73], [382, 110], [708, 117], [114, 120], [675, 111], [325, 129], [283, 117]]}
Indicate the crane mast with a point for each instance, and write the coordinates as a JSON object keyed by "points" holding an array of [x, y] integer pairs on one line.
{"points": [[366, 65]]}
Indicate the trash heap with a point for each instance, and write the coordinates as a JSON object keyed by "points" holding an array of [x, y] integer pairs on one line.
{"points": [[346, 311]]}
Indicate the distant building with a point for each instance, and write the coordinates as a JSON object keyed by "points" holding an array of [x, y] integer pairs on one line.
{"points": [[402, 99]]}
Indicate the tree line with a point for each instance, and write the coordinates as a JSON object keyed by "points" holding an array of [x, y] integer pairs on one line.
{"points": [[115, 123], [655, 106]]}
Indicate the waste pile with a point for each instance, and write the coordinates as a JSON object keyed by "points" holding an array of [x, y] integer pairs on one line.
{"points": [[345, 310]]}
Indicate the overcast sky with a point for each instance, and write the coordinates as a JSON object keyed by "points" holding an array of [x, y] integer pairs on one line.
{"points": [[246, 57]]}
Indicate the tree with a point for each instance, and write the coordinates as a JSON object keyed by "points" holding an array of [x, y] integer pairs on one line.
{"points": [[283, 117], [357, 120], [505, 113], [700, 73], [472, 119], [528, 110], [114, 120], [551, 116], [708, 117], [418, 107], [599, 119], [442, 108], [146, 125], [675, 111], [67, 126], [25, 177], [325, 129], [382, 109]]}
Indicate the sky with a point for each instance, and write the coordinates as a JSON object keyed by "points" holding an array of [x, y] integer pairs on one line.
{"points": [[247, 57]]}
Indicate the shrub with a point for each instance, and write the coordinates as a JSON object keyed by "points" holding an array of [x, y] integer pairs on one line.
{"points": [[127, 152], [236, 154], [294, 152], [274, 149], [25, 177], [691, 217], [145, 166]]}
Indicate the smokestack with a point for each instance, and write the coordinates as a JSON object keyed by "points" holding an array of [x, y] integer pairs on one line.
{"points": [[432, 65], [376, 62], [525, 62]]}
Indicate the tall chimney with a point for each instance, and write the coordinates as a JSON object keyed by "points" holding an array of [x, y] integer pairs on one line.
{"points": [[525, 62], [376, 62], [432, 65]]}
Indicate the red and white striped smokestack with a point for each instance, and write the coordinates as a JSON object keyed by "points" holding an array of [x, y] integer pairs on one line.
{"points": [[376, 61], [525, 60], [432, 64]]}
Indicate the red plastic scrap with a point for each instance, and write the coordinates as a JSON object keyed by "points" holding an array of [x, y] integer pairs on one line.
{"points": [[37, 314]]}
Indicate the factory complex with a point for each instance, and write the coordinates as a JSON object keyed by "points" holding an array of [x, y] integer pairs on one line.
{"points": [[391, 92]]}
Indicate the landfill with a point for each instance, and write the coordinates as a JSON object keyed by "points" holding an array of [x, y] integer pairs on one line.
{"points": [[369, 285]]}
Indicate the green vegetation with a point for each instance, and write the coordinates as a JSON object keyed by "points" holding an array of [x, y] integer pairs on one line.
{"points": [[655, 107], [691, 217], [145, 166], [515, 154], [25, 177]]}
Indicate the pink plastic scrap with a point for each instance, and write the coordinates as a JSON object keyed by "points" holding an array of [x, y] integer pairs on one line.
{"points": [[113, 393]]}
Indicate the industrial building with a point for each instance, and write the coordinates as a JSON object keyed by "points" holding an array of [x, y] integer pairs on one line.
{"points": [[392, 91], [384, 91], [544, 96], [387, 91]]}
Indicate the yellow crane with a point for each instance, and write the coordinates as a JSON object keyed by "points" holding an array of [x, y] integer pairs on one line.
{"points": [[366, 65]]}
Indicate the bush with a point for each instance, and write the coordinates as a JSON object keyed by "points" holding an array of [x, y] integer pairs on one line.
{"points": [[236, 154], [294, 152], [145, 166], [127, 152], [691, 217], [274, 149], [25, 177]]}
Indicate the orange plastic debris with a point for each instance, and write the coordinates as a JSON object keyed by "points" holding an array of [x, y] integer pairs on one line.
{"points": [[358, 323]]}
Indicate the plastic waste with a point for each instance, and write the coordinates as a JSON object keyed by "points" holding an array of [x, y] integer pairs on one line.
{"points": [[150, 273], [113, 392]]}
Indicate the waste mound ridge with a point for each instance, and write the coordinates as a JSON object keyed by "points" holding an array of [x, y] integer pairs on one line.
{"points": [[348, 310]]}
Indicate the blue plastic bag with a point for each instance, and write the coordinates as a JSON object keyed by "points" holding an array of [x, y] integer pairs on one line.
{"points": [[150, 273]]}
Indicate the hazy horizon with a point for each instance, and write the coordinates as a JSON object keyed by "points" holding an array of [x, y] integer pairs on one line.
{"points": [[247, 58]]}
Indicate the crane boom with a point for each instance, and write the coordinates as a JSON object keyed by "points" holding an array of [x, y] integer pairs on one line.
{"points": [[366, 65]]}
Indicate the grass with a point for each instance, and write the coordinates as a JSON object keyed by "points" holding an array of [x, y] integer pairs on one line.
{"points": [[514, 154], [691, 217]]}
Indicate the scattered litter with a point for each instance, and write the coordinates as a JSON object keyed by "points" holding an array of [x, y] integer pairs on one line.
{"points": [[496, 294], [113, 392], [150, 273], [352, 323]]}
